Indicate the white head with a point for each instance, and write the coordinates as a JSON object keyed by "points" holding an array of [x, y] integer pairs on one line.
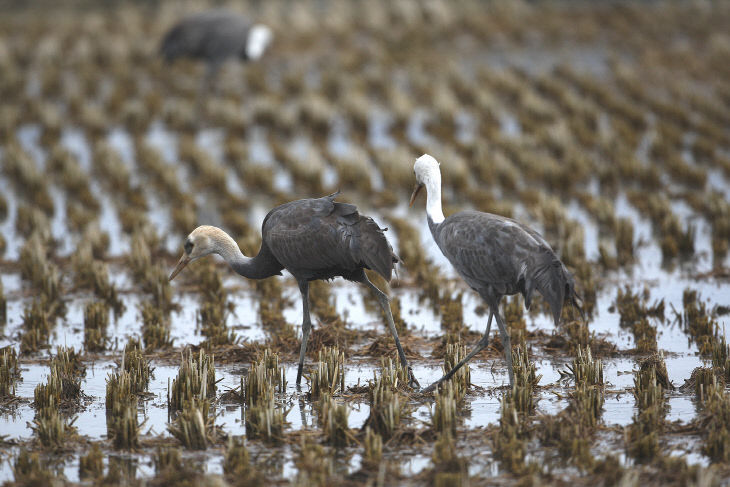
{"points": [[202, 241], [259, 38], [428, 174], [427, 169]]}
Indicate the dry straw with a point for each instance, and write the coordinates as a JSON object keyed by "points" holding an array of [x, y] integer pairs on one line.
{"points": [[195, 380], [329, 376]]}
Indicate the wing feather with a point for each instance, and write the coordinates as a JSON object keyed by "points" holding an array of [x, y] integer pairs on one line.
{"points": [[489, 250], [505, 257], [315, 236]]}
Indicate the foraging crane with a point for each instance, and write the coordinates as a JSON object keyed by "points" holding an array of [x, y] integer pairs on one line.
{"points": [[496, 256], [215, 36], [312, 239]]}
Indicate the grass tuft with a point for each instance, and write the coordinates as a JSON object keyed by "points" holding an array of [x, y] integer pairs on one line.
{"points": [[194, 427], [263, 379], [91, 465], [329, 376], [333, 417], [9, 372], [266, 420], [195, 380], [237, 465], [155, 327], [315, 467], [28, 469], [96, 320], [385, 403], [36, 327]]}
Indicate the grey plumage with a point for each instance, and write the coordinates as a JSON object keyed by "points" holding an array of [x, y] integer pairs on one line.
{"points": [[499, 257], [496, 256], [321, 239], [214, 36]]}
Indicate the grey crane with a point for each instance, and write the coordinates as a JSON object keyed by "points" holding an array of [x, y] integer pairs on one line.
{"points": [[496, 256], [312, 239], [215, 36]]}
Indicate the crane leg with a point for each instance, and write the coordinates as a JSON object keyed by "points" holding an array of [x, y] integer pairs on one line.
{"points": [[385, 304], [507, 348], [483, 342], [208, 86], [306, 327]]}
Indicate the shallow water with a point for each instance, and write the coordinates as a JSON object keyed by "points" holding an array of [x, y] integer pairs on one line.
{"points": [[503, 73], [481, 410]]}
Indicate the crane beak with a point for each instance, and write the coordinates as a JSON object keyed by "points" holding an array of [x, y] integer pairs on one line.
{"points": [[184, 260], [416, 189]]}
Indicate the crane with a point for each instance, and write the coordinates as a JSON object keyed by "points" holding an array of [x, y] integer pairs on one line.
{"points": [[313, 239], [496, 256], [215, 36]]}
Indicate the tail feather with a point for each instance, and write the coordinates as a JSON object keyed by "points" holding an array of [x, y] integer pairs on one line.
{"points": [[366, 241], [555, 283], [574, 298], [374, 250], [379, 254]]}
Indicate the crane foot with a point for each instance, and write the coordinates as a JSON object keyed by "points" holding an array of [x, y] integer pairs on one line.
{"points": [[412, 381]]}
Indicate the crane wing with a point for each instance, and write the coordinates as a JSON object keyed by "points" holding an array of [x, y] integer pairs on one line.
{"points": [[491, 251], [321, 238]]}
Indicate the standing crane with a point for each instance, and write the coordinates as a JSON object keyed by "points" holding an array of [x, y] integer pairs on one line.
{"points": [[215, 36], [313, 239], [496, 256]]}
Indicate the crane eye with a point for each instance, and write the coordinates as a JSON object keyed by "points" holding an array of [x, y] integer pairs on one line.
{"points": [[188, 247]]}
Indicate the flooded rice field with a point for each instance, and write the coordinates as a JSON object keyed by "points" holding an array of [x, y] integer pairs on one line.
{"points": [[604, 126]]}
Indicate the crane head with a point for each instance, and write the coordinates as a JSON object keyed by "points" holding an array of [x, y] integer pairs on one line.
{"points": [[259, 38], [202, 241], [426, 169]]}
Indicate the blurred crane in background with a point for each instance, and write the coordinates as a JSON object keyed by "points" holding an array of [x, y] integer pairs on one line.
{"points": [[215, 36]]}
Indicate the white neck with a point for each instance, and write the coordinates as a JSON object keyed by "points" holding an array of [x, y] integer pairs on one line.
{"points": [[432, 181], [227, 248]]}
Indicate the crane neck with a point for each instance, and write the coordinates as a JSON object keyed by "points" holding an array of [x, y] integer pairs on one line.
{"points": [[433, 197], [258, 267]]}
